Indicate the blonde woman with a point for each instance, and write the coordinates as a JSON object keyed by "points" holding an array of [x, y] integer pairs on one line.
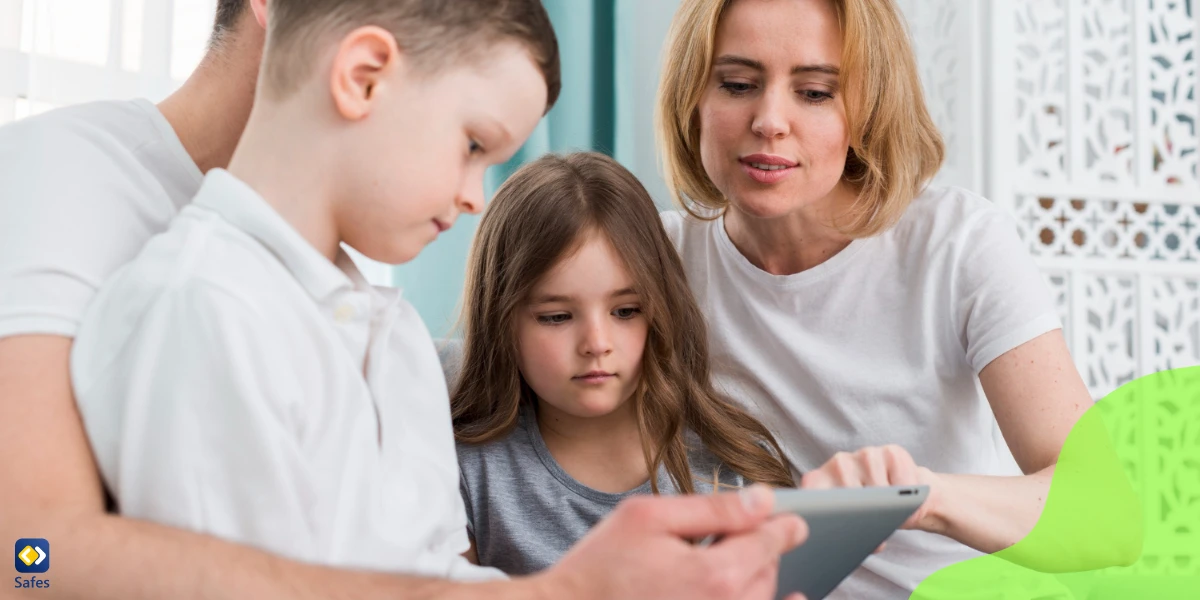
{"points": [[889, 332]]}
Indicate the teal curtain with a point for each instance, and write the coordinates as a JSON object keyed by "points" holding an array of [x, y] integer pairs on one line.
{"points": [[584, 118]]}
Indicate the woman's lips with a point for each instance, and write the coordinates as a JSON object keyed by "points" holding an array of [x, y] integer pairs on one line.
{"points": [[765, 176], [767, 168]]}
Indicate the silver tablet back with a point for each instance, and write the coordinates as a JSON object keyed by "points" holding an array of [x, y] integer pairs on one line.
{"points": [[845, 527]]}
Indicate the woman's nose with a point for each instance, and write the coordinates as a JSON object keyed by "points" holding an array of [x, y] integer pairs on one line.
{"points": [[770, 118]]}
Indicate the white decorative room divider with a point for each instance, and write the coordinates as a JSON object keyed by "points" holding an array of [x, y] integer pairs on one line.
{"points": [[1106, 189], [1080, 116]]}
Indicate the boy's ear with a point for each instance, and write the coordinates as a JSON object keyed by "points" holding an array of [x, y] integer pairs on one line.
{"points": [[363, 61]]}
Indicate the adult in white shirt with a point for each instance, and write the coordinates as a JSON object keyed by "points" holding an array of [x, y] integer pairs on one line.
{"points": [[81, 190], [888, 332]]}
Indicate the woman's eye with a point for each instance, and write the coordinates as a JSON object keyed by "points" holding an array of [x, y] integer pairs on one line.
{"points": [[555, 319], [626, 313], [736, 88], [816, 96]]}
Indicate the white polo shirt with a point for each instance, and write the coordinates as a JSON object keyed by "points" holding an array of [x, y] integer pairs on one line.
{"points": [[235, 382], [81, 190]]}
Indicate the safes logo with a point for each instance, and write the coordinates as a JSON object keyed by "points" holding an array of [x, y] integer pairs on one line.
{"points": [[31, 555]]}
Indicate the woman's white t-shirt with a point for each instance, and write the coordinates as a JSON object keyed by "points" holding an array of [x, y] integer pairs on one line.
{"points": [[880, 344]]}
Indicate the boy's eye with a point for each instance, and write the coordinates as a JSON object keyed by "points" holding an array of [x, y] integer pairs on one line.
{"points": [[626, 313], [555, 319]]}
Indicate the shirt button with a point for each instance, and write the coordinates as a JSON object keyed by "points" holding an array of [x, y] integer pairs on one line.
{"points": [[343, 313]]}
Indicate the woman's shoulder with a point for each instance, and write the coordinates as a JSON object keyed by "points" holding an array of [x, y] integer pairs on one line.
{"points": [[952, 207], [682, 226], [945, 216]]}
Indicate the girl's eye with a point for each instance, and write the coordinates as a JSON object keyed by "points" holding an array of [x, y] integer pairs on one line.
{"points": [[475, 147], [816, 96], [736, 88], [555, 319], [626, 313]]}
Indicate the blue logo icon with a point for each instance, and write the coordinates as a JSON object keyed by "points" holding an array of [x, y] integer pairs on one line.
{"points": [[32, 555]]}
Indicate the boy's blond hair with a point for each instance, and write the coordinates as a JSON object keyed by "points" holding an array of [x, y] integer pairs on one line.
{"points": [[895, 148], [432, 33]]}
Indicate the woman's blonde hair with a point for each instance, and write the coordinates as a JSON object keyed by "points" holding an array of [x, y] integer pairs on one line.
{"points": [[540, 216], [895, 148]]}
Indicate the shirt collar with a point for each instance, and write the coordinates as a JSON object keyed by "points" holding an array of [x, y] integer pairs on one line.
{"points": [[245, 209]]}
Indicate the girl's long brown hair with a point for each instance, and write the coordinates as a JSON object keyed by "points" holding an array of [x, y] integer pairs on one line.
{"points": [[538, 217]]}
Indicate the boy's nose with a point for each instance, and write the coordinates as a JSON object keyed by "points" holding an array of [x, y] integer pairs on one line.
{"points": [[470, 198]]}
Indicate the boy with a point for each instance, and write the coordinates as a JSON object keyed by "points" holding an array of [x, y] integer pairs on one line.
{"points": [[239, 377]]}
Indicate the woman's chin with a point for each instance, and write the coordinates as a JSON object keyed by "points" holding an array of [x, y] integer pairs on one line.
{"points": [[766, 205]]}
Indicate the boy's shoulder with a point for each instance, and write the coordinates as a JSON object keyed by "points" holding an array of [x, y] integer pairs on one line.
{"points": [[200, 277], [201, 251], [201, 264]]}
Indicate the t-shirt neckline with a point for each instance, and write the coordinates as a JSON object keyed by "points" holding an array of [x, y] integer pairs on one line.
{"points": [[529, 416], [834, 264]]}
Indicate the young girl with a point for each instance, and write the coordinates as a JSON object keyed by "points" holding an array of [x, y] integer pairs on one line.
{"points": [[585, 368]]}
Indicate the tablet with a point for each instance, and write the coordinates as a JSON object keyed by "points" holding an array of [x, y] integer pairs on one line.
{"points": [[845, 526]]}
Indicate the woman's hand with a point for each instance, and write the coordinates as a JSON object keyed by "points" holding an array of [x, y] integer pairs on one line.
{"points": [[881, 466]]}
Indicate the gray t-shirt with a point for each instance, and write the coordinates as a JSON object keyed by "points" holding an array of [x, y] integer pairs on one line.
{"points": [[524, 511]]}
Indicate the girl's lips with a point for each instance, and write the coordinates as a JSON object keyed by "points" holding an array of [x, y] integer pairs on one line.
{"points": [[593, 378]]}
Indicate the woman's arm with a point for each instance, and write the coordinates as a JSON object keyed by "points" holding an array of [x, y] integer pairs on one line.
{"points": [[1037, 396]]}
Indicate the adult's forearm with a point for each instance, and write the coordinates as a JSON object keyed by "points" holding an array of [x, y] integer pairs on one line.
{"points": [[990, 513], [1088, 524], [50, 489], [109, 557]]}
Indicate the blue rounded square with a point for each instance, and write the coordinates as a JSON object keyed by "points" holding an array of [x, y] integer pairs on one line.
{"points": [[35, 551]]}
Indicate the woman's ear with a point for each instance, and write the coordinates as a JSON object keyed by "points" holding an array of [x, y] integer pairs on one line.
{"points": [[364, 60]]}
